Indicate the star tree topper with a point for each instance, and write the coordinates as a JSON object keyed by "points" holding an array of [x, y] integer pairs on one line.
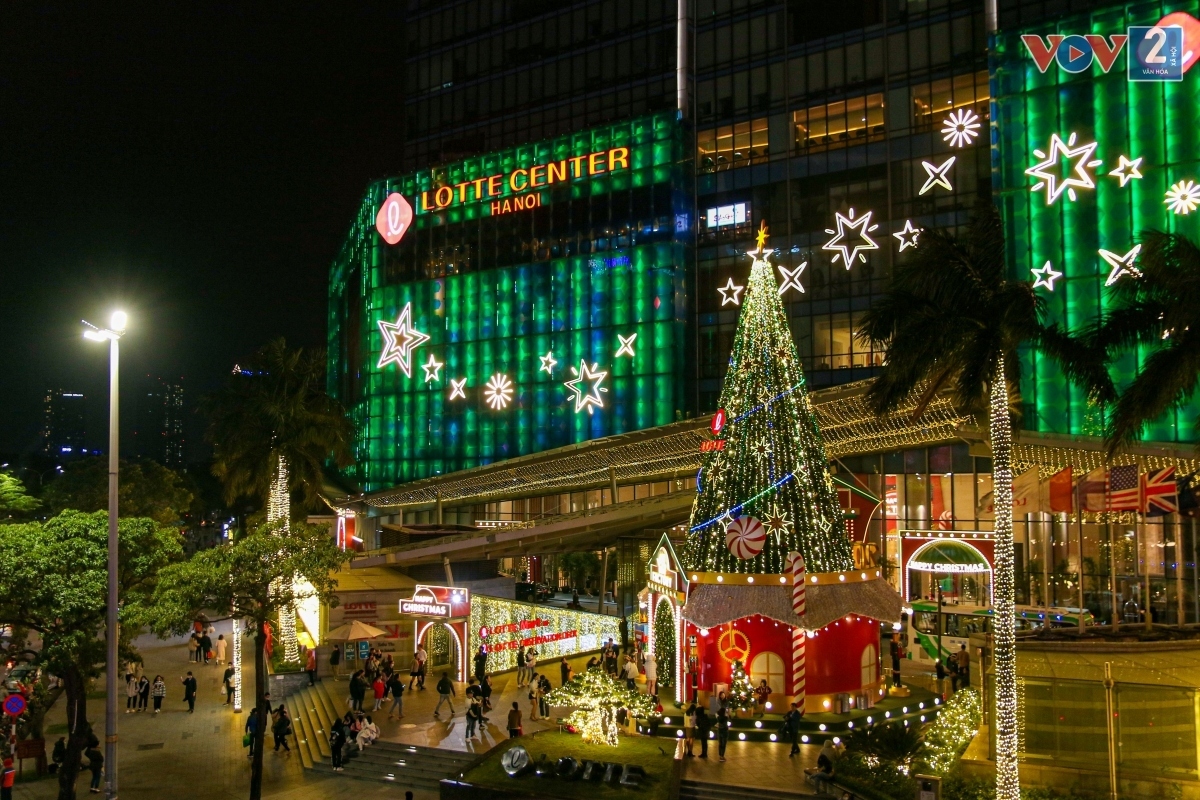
{"points": [[400, 339]]}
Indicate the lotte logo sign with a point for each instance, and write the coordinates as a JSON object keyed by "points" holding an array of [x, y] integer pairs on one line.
{"points": [[394, 217]]}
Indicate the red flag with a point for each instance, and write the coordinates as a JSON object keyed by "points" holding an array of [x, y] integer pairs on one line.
{"points": [[1060, 492], [940, 514]]}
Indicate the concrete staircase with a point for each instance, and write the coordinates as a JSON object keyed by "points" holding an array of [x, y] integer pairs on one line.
{"points": [[313, 711], [703, 790]]}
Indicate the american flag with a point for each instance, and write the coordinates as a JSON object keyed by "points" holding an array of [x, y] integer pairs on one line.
{"points": [[1159, 494], [1123, 491]]}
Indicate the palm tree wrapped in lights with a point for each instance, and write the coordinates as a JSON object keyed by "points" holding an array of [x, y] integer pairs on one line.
{"points": [[952, 322]]}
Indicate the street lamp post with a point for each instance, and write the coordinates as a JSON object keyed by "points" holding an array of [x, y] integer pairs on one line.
{"points": [[112, 335]]}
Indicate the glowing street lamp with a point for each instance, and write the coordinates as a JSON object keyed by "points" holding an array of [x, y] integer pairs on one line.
{"points": [[112, 335]]}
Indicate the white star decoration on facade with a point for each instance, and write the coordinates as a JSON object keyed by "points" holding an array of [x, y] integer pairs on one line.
{"points": [[626, 348], [960, 128], [1046, 276], [908, 235], [400, 338], [590, 399], [1048, 171], [1127, 170], [862, 226], [1121, 265], [791, 277], [432, 367], [730, 292], [548, 363], [499, 391], [937, 175], [1183, 197], [457, 389]]}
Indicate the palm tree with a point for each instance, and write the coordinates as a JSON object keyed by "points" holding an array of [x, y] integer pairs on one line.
{"points": [[952, 322], [1156, 308], [273, 427]]}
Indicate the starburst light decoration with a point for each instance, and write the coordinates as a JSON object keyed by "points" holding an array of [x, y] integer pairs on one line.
{"points": [[400, 339], [548, 363], [777, 522], [1121, 264], [589, 399], [908, 235], [432, 368], [730, 293], [457, 389], [1183, 197], [839, 244], [1046, 276], [499, 391], [626, 345], [791, 277], [937, 175], [960, 128], [1127, 170], [1049, 174]]}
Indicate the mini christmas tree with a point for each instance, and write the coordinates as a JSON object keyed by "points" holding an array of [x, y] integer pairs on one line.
{"points": [[741, 691], [770, 467], [596, 696]]}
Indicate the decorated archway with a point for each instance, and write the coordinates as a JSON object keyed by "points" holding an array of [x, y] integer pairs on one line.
{"points": [[957, 565], [443, 642]]}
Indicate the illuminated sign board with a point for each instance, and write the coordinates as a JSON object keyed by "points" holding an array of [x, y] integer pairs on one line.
{"points": [[394, 217], [662, 578], [723, 216], [503, 627], [442, 602], [1160, 52]]}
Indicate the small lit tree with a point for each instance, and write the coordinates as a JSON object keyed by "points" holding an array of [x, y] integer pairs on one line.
{"points": [[741, 691], [596, 696]]}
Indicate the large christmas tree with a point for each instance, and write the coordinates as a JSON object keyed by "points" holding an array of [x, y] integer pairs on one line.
{"points": [[770, 465]]}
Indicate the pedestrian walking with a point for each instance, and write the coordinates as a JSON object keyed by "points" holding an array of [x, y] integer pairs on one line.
{"points": [[485, 692], [159, 690], [521, 666], [8, 776], [205, 647], [189, 691], [282, 729], [703, 728], [358, 690], [221, 645], [335, 660], [535, 696], [396, 686], [474, 718], [480, 663], [96, 765], [722, 732], [310, 666], [193, 646], [143, 685], [530, 665], [791, 728], [514, 720], [417, 671], [689, 728], [337, 740], [445, 690], [131, 694], [227, 682], [651, 675], [380, 689], [249, 738]]}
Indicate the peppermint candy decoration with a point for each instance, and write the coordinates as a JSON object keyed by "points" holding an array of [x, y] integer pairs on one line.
{"points": [[745, 537]]}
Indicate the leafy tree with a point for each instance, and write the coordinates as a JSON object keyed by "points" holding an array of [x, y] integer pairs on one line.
{"points": [[13, 498], [251, 580], [53, 580], [596, 696], [579, 566], [1155, 310], [146, 489], [952, 322]]}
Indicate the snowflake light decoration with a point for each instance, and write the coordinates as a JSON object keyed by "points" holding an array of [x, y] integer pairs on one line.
{"points": [[937, 175], [626, 345], [838, 244], [777, 522], [457, 389], [1121, 264], [499, 391], [1048, 171], [1046, 276], [590, 399], [960, 128], [791, 277], [1183, 197]]}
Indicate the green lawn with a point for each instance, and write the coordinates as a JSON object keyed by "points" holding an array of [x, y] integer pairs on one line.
{"points": [[646, 752]]}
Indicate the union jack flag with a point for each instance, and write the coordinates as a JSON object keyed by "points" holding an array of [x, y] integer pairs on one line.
{"points": [[1159, 493], [1123, 490]]}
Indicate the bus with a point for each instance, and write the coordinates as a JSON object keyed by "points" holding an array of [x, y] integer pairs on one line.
{"points": [[960, 621]]}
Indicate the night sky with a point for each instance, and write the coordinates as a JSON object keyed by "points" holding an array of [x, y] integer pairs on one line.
{"points": [[196, 165]]}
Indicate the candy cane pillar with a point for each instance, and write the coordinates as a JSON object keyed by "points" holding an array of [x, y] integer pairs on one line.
{"points": [[799, 635]]}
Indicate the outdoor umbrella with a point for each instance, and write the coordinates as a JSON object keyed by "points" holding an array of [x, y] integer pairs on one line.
{"points": [[354, 631]]}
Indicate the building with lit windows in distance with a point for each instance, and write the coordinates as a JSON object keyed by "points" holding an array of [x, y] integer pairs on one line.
{"points": [[520, 254], [64, 423], [159, 431]]}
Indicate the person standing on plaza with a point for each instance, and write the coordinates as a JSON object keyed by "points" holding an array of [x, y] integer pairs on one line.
{"points": [[143, 685], [520, 666], [514, 720], [689, 728], [380, 689], [564, 668], [420, 659], [96, 765], [281, 729], [310, 666], [791, 728], [358, 690], [227, 682], [159, 690], [193, 646], [396, 687], [189, 691], [337, 742], [530, 665], [131, 693], [964, 665], [8, 776], [474, 719], [762, 694], [630, 673], [445, 690], [205, 647], [480, 663], [722, 732], [535, 693], [221, 645], [335, 661], [703, 728], [485, 692], [651, 676]]}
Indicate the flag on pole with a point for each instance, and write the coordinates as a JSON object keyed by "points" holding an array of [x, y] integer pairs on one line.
{"points": [[1059, 487], [941, 517], [1123, 490], [1159, 493], [1026, 492], [1089, 493]]}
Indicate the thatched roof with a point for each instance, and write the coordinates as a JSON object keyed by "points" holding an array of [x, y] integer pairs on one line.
{"points": [[709, 605]]}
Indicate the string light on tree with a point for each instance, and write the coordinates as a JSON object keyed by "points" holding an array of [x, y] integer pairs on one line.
{"points": [[279, 512], [596, 697], [548, 363], [400, 339], [1049, 173], [741, 691], [937, 175], [1046, 276], [1183, 197], [960, 128], [432, 367], [730, 293], [458, 389], [791, 277], [908, 235], [499, 391], [626, 345], [589, 399], [1121, 264], [1127, 170], [840, 245]]}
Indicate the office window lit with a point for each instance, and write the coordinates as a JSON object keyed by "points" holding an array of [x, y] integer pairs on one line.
{"points": [[840, 124], [931, 101], [732, 146]]}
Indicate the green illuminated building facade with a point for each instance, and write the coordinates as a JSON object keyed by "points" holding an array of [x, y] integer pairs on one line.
{"points": [[551, 283], [1085, 202]]}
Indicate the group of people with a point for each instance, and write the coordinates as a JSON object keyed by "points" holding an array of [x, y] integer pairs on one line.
{"points": [[958, 667], [139, 689], [354, 728], [380, 679], [280, 726], [201, 646]]}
